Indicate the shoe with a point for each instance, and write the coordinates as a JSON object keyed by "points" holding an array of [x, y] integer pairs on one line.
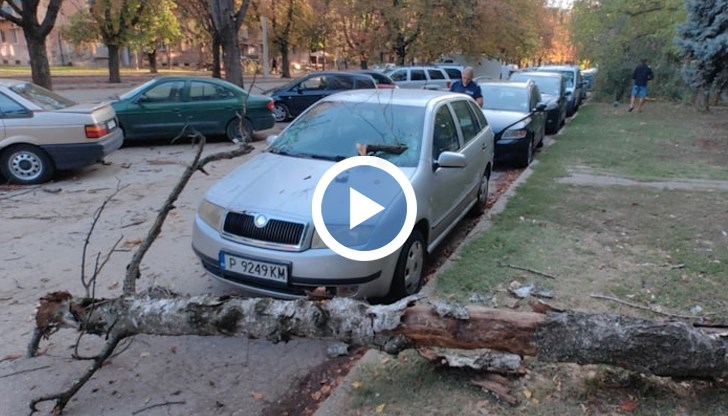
{"points": [[630, 109]]}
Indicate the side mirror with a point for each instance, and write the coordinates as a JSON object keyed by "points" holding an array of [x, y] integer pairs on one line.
{"points": [[299, 89], [270, 139], [567, 93], [540, 107], [451, 160], [141, 99]]}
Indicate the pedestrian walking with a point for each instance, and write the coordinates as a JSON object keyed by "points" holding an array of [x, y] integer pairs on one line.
{"points": [[641, 75], [274, 66]]}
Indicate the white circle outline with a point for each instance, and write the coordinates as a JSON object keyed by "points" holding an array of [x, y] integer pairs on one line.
{"points": [[409, 220]]}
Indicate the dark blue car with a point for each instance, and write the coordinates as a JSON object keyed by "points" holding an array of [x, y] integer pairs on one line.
{"points": [[299, 94]]}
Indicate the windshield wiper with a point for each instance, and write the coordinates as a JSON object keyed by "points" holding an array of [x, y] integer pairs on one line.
{"points": [[371, 148], [335, 158]]}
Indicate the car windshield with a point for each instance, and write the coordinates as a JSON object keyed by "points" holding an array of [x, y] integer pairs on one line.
{"points": [[134, 91], [547, 85], [43, 98], [336, 130], [498, 97], [568, 76]]}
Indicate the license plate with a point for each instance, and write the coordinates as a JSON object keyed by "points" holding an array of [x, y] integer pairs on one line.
{"points": [[254, 268], [111, 124]]}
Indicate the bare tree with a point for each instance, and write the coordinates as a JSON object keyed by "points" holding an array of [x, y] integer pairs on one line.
{"points": [[227, 22]]}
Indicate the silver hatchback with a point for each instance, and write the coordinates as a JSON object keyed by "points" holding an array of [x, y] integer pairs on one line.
{"points": [[445, 149]]}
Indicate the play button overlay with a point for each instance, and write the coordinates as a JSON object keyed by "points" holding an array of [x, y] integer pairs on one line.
{"points": [[364, 208], [361, 208]]}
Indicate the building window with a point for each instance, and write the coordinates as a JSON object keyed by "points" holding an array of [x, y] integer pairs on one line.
{"points": [[14, 36], [2, 36]]}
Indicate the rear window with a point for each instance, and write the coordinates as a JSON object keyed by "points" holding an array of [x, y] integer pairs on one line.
{"points": [[417, 75], [43, 98], [453, 73], [435, 74]]}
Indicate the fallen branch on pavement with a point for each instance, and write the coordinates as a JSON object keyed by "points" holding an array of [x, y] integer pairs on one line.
{"points": [[526, 269]]}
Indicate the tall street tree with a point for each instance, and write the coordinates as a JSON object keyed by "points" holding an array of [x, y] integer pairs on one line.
{"points": [[24, 13], [158, 26], [200, 12], [703, 43], [227, 21]]}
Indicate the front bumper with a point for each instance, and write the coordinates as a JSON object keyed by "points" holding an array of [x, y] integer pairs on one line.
{"points": [[79, 155], [309, 269], [507, 149]]}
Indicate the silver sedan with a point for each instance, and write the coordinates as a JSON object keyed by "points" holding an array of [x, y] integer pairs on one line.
{"points": [[439, 140]]}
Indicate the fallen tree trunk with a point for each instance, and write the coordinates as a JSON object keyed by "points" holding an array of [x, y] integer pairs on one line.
{"points": [[671, 349]]}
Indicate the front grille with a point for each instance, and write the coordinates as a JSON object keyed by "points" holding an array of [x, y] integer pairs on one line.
{"points": [[275, 231]]}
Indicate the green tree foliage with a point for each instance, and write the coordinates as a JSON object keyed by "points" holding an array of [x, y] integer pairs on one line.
{"points": [[115, 22], [703, 43], [616, 34], [24, 13], [157, 26]]}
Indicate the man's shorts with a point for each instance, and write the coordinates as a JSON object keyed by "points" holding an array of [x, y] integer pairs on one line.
{"points": [[638, 91]]}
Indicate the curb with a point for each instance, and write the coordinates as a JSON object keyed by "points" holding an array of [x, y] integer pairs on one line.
{"points": [[341, 397]]}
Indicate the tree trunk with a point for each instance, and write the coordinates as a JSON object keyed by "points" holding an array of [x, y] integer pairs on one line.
{"points": [[400, 49], [114, 72], [285, 61], [363, 63], [665, 349], [702, 99], [152, 57], [216, 70], [39, 67], [231, 60]]}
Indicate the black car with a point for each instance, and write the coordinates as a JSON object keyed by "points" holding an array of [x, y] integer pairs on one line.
{"points": [[553, 93], [299, 94], [517, 117]]}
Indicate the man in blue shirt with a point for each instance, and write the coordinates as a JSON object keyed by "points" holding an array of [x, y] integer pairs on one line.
{"points": [[641, 75], [467, 86]]}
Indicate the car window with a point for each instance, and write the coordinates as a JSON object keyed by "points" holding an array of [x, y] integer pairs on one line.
{"points": [[504, 98], [10, 109], [417, 75], [316, 83], [205, 91], [469, 125], [165, 92], [535, 97], [435, 74], [478, 114], [332, 130], [445, 134], [453, 73], [546, 84], [365, 83], [399, 75], [43, 98]]}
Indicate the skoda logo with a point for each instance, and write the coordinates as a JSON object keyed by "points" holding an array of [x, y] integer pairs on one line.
{"points": [[260, 220]]}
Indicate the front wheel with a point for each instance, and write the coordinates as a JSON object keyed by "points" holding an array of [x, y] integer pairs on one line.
{"points": [[407, 279], [280, 112], [26, 165]]}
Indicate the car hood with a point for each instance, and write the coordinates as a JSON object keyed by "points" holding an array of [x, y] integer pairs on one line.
{"points": [[499, 119], [273, 184]]}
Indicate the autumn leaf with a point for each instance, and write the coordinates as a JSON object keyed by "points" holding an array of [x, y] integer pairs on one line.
{"points": [[629, 405], [380, 408], [527, 392], [256, 395], [356, 384]]}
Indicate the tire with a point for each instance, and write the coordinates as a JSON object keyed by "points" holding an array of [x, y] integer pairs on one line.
{"points": [[479, 208], [407, 279], [26, 164], [524, 160], [281, 112], [232, 131]]}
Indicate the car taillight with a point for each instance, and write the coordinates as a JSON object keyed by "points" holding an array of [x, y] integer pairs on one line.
{"points": [[270, 105], [95, 131]]}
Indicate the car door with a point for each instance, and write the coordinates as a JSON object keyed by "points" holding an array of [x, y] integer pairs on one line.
{"points": [[399, 76], [474, 149], [447, 183], [437, 80], [418, 79], [208, 107], [15, 120], [156, 112], [308, 91]]}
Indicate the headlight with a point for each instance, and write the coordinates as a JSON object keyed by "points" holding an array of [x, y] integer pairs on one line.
{"points": [[211, 214], [317, 242], [514, 134]]}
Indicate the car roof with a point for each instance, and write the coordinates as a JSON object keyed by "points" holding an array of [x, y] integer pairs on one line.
{"points": [[558, 68], [507, 83], [537, 74], [10, 82], [402, 96]]}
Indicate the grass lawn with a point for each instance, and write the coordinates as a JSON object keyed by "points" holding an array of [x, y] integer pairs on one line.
{"points": [[662, 248]]}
